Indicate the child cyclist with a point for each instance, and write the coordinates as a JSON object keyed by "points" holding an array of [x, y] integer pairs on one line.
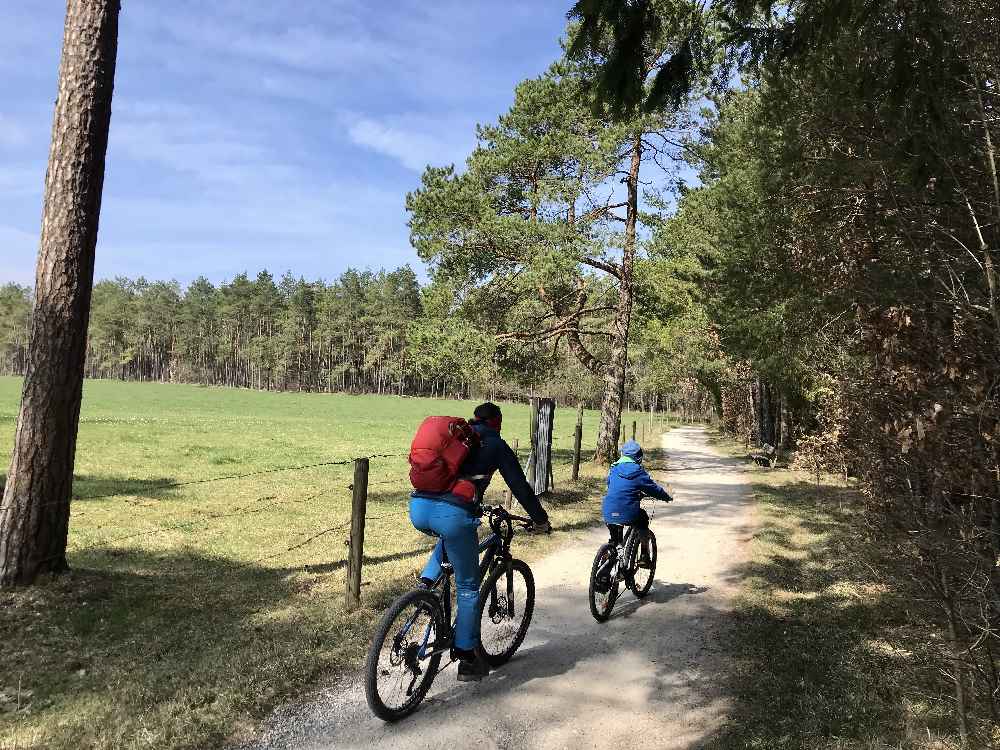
{"points": [[628, 483]]}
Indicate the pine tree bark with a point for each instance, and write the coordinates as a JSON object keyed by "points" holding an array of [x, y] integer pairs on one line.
{"points": [[786, 424], [760, 413], [34, 512], [614, 378]]}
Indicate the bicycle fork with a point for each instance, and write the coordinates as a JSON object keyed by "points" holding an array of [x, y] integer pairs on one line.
{"points": [[494, 606]]}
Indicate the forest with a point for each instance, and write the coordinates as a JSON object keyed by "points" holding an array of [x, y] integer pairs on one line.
{"points": [[365, 332]]}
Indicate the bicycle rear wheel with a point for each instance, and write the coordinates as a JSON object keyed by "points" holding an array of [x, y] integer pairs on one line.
{"points": [[640, 579], [506, 602], [603, 583], [398, 673]]}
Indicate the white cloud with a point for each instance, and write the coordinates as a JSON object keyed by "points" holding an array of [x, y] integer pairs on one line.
{"points": [[334, 41], [415, 142], [21, 181], [18, 250], [12, 133]]}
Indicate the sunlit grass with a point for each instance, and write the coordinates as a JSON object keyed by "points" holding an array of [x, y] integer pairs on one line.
{"points": [[186, 614]]}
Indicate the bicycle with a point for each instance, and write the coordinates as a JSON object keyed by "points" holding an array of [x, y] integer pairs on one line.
{"points": [[417, 629], [614, 564]]}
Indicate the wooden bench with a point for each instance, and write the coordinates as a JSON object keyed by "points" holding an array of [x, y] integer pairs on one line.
{"points": [[767, 456]]}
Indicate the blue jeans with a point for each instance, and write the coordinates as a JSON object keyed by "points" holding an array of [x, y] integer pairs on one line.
{"points": [[456, 528]]}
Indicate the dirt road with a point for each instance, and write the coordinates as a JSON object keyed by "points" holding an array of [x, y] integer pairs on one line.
{"points": [[651, 672]]}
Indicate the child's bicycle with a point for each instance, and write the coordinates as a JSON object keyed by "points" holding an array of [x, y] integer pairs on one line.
{"points": [[615, 564], [417, 629]]}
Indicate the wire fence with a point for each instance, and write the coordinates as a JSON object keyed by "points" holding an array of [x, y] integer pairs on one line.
{"points": [[262, 504], [388, 483]]}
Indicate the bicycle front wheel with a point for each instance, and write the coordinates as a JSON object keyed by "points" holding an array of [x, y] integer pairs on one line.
{"points": [[603, 583], [399, 670], [506, 602], [640, 576]]}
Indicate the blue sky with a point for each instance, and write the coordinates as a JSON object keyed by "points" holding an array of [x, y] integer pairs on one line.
{"points": [[248, 134]]}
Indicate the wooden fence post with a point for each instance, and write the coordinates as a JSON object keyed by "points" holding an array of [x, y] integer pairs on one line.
{"points": [[633, 429], [355, 554], [642, 431], [533, 456], [577, 441]]}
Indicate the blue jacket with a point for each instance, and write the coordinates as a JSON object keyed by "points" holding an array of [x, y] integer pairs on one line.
{"points": [[628, 483], [493, 454]]}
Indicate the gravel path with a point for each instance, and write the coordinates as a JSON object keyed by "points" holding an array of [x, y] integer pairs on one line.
{"points": [[652, 672]]}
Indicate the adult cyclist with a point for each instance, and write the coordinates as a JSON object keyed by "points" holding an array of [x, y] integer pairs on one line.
{"points": [[455, 520]]}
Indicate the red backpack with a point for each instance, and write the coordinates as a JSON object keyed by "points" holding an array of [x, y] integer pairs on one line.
{"points": [[438, 450]]}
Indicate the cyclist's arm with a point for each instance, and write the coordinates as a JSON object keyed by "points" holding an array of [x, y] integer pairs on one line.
{"points": [[652, 489], [513, 475]]}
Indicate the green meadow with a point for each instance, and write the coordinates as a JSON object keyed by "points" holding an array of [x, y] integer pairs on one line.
{"points": [[207, 547]]}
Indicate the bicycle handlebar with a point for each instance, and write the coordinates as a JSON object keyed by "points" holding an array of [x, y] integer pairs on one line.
{"points": [[504, 515]]}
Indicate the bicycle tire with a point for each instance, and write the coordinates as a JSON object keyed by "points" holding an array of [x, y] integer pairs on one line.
{"points": [[602, 611], [632, 562], [492, 610], [420, 601]]}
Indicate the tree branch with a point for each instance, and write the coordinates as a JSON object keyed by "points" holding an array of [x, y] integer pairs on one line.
{"points": [[602, 265]]}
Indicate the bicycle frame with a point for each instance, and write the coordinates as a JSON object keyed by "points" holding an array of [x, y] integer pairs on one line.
{"points": [[616, 559], [494, 550]]}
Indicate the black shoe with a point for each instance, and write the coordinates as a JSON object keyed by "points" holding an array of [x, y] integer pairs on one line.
{"points": [[472, 665]]}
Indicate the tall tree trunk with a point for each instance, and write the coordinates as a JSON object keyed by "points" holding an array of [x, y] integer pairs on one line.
{"points": [[770, 406], [786, 424], [758, 411], [957, 664], [614, 378], [34, 513]]}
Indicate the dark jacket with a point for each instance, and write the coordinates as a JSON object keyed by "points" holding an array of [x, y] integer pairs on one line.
{"points": [[628, 483], [492, 455]]}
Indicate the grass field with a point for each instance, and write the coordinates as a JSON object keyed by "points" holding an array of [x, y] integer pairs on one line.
{"points": [[207, 573]]}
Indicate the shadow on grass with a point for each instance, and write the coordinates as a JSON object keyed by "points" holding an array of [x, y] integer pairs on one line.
{"points": [[803, 643], [98, 487], [128, 638], [335, 565]]}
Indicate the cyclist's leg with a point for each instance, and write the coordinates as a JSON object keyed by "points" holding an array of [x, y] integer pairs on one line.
{"points": [[641, 525], [617, 531], [420, 516], [432, 569], [457, 529]]}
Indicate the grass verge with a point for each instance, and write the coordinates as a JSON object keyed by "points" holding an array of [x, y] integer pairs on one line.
{"points": [[824, 654]]}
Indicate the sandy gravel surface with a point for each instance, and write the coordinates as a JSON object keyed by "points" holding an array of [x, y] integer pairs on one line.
{"points": [[653, 671]]}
